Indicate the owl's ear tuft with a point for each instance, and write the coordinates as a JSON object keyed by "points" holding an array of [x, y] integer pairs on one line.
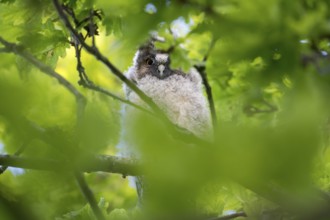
{"points": [[155, 37], [149, 46]]}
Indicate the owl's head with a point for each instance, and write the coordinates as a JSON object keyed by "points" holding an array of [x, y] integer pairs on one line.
{"points": [[150, 61]]}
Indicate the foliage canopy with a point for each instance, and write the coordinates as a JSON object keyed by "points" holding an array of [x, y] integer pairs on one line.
{"points": [[268, 66]]}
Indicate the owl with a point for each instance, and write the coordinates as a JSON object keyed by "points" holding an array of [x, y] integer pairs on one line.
{"points": [[178, 94]]}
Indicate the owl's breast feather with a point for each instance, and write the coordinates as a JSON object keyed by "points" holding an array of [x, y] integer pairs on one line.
{"points": [[180, 98]]}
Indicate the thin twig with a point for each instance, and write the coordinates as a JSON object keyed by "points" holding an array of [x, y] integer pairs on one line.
{"points": [[17, 153], [92, 29], [230, 216], [208, 89], [18, 50], [112, 95], [89, 196], [251, 110], [277, 213]]}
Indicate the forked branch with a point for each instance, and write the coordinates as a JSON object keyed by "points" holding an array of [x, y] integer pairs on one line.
{"points": [[178, 132]]}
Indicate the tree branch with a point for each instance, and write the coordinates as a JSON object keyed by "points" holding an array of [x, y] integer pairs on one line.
{"points": [[96, 53], [181, 133], [86, 82], [89, 196], [104, 163], [4, 50], [130, 167], [17, 153]]}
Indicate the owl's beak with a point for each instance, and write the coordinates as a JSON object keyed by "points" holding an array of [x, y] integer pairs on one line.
{"points": [[161, 69]]}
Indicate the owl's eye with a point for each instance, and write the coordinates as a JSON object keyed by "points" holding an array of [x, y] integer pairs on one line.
{"points": [[149, 61]]}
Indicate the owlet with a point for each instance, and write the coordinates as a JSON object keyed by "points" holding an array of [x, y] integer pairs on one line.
{"points": [[178, 94]]}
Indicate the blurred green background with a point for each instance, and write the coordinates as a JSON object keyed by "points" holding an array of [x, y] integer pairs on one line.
{"points": [[269, 69]]}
